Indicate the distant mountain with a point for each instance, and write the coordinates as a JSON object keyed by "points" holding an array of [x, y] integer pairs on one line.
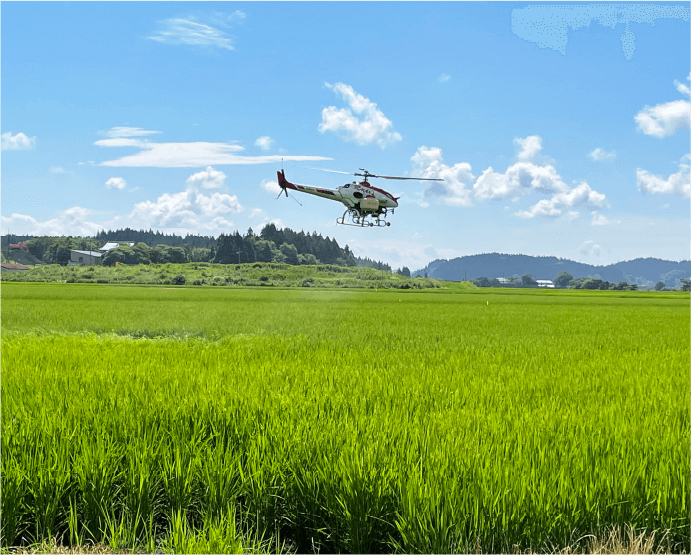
{"points": [[643, 271]]}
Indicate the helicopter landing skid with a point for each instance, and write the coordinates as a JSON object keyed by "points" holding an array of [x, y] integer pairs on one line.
{"points": [[354, 218]]}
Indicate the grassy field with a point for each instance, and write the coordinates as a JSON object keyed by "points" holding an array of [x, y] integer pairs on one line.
{"points": [[246, 419]]}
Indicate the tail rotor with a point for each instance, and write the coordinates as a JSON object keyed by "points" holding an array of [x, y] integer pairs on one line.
{"points": [[284, 189]]}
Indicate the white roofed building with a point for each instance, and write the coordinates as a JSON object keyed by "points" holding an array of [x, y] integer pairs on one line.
{"points": [[114, 245], [544, 283]]}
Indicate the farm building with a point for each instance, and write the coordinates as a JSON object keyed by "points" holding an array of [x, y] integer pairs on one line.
{"points": [[82, 258], [13, 267], [544, 283], [114, 245], [19, 246]]}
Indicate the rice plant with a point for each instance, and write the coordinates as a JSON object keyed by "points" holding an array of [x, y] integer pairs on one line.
{"points": [[349, 421]]}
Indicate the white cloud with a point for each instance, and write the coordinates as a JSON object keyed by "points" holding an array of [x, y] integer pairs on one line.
{"points": [[530, 146], [116, 183], [73, 221], [118, 132], [188, 209], [599, 219], [683, 89], [663, 120], [581, 196], [121, 141], [188, 31], [207, 179], [57, 169], [590, 249], [271, 186], [444, 77], [188, 155], [17, 142], [427, 163], [264, 142], [374, 128], [257, 212], [517, 181], [544, 208], [226, 19], [600, 154], [676, 184]]}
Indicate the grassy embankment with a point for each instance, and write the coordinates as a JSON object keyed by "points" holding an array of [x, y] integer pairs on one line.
{"points": [[206, 273], [210, 419]]}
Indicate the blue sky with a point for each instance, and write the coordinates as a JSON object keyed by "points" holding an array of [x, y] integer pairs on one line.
{"points": [[174, 116]]}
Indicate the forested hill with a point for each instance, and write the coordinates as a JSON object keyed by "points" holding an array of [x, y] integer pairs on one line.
{"points": [[642, 271]]}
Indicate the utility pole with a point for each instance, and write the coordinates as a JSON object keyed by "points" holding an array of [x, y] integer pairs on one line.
{"points": [[238, 253]]}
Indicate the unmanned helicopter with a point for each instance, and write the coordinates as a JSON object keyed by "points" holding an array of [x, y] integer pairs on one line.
{"points": [[366, 205]]}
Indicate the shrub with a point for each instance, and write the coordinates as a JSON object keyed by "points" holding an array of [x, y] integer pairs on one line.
{"points": [[481, 281], [179, 280]]}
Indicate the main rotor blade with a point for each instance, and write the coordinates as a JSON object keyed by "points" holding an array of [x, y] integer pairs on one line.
{"points": [[372, 175], [324, 170], [399, 178]]}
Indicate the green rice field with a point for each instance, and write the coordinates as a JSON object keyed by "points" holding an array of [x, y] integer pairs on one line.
{"points": [[342, 420]]}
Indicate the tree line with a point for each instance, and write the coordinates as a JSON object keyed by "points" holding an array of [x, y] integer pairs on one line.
{"points": [[281, 245], [155, 238], [563, 279], [270, 245]]}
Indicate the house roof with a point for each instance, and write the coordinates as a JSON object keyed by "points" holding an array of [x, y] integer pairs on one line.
{"points": [[15, 266], [115, 244], [19, 245], [89, 253]]}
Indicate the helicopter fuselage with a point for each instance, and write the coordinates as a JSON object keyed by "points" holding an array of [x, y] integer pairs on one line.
{"points": [[361, 196], [366, 205]]}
